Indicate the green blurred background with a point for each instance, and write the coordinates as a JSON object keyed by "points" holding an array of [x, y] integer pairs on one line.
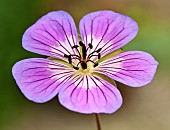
{"points": [[145, 108]]}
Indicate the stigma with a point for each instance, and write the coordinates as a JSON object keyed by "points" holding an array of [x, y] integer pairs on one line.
{"points": [[81, 60]]}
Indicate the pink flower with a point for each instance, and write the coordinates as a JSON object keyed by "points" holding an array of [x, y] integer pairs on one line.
{"points": [[81, 71]]}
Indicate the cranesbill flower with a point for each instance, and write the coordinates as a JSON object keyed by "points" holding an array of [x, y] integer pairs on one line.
{"points": [[82, 70]]}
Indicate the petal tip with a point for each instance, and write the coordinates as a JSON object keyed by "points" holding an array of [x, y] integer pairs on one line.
{"points": [[102, 99]]}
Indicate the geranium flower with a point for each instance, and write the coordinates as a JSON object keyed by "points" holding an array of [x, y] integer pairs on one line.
{"points": [[81, 71]]}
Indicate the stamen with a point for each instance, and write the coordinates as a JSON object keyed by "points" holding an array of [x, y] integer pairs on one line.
{"points": [[99, 50], [96, 65], [76, 68], [70, 57], [70, 60], [65, 55], [83, 64], [75, 56], [91, 56], [79, 63], [90, 61], [75, 46], [82, 58], [81, 43], [99, 56], [90, 45]]}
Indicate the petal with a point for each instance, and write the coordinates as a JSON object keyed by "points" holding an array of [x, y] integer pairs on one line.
{"points": [[133, 68], [107, 30], [53, 35], [90, 94], [40, 79]]}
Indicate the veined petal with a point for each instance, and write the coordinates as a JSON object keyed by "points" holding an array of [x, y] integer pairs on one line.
{"points": [[133, 68], [107, 30], [53, 35], [90, 94], [40, 79]]}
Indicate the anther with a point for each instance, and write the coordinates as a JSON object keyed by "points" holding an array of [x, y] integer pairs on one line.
{"points": [[65, 55], [69, 59], [99, 50], [96, 64], [90, 45], [99, 56], [76, 68], [75, 46], [81, 43]]}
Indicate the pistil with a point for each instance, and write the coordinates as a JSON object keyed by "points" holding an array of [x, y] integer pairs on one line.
{"points": [[84, 51]]}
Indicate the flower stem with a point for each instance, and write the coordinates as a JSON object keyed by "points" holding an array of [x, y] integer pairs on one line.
{"points": [[98, 121]]}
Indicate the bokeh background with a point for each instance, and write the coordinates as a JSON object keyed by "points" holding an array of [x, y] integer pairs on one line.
{"points": [[145, 108]]}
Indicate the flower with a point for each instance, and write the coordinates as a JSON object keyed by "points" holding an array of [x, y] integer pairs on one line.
{"points": [[81, 71]]}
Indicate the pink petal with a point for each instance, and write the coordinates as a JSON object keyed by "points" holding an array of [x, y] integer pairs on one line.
{"points": [[53, 35], [107, 30], [90, 95], [133, 68], [40, 79]]}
